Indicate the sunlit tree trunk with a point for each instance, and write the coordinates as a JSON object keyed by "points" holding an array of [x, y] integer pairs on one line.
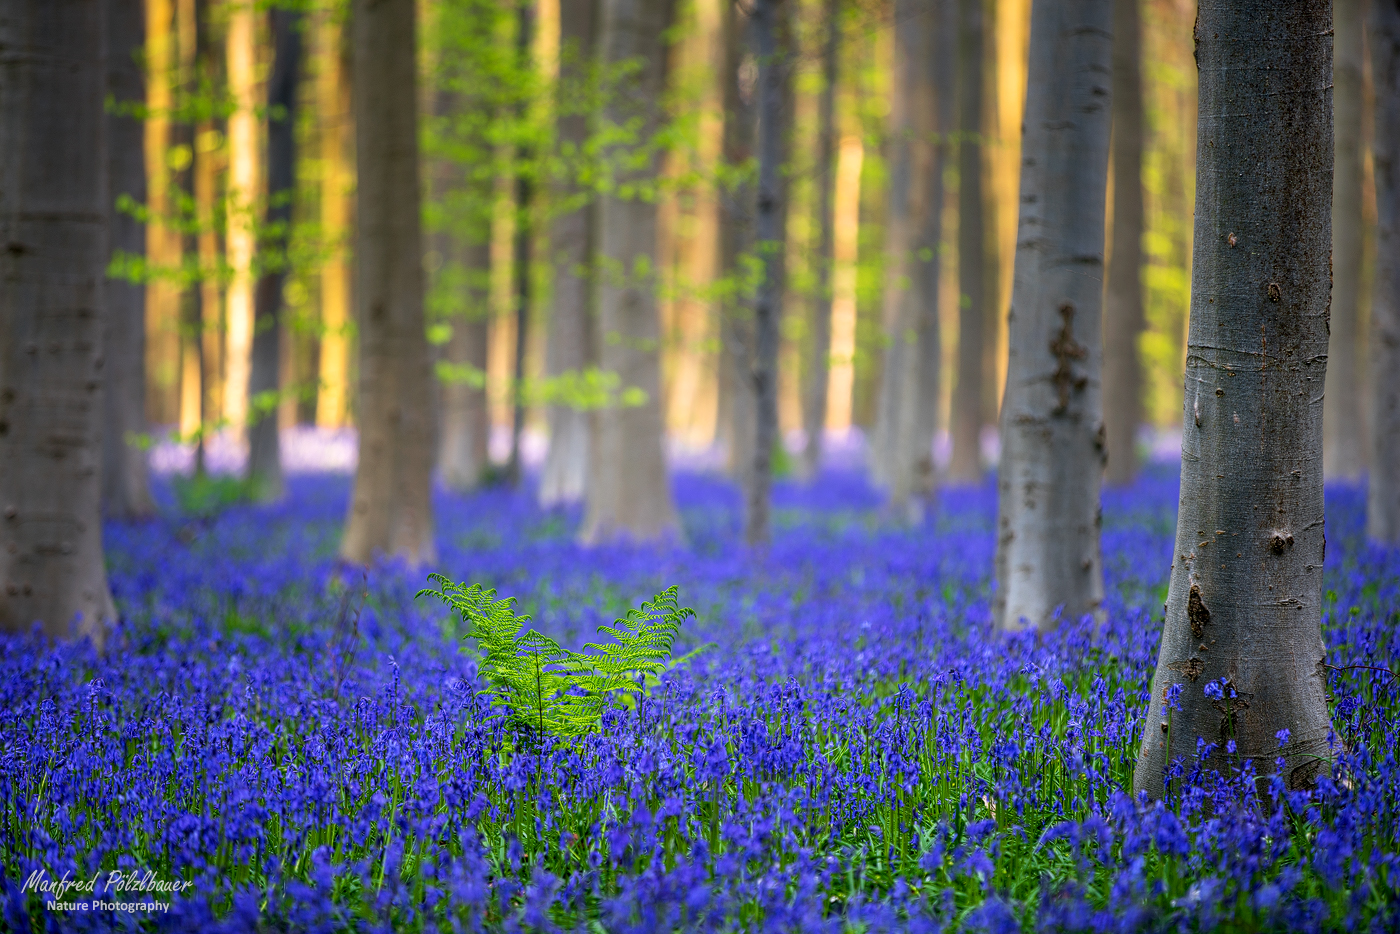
{"points": [[818, 366], [126, 489], [1383, 502], [569, 345], [1052, 444], [241, 55], [53, 214], [334, 119], [1122, 314], [390, 509], [629, 493], [966, 465], [1343, 443], [1242, 639], [264, 452]]}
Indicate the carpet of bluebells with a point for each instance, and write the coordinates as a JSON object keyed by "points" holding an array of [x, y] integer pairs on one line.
{"points": [[305, 742]]}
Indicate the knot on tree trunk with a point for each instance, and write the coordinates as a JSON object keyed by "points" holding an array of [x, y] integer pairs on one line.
{"points": [[1066, 350]]}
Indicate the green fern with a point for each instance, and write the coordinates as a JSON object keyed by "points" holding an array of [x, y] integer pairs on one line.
{"points": [[548, 689]]}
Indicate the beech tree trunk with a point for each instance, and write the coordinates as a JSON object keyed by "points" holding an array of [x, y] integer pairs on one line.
{"points": [[126, 487], [1383, 501], [818, 367], [1242, 639], [1123, 314], [264, 452], [569, 346], [1052, 444], [966, 465], [390, 511], [1343, 442], [464, 438], [54, 205], [629, 493], [521, 250]]}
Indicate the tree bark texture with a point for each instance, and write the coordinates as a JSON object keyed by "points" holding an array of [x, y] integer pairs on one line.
{"points": [[1343, 421], [1242, 639], [1383, 501], [569, 345], [126, 487], [264, 452], [54, 206], [1052, 444], [818, 367], [629, 492], [966, 465], [1123, 313], [390, 512]]}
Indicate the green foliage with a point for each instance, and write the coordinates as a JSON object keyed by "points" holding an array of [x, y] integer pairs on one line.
{"points": [[547, 689]]}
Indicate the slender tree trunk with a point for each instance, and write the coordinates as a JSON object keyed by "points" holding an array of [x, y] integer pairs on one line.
{"points": [[737, 405], [54, 205], [629, 493], [966, 466], [1383, 503], [466, 417], [569, 346], [126, 488], [390, 508], [1123, 315], [1242, 640], [264, 453], [191, 20], [524, 237], [1052, 454], [819, 360], [772, 40], [1343, 443]]}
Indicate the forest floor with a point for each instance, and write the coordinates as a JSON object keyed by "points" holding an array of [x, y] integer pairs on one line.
{"points": [[304, 743]]}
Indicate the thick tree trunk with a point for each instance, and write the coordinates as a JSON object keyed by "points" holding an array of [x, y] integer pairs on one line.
{"points": [[1242, 640], [54, 205], [390, 511], [966, 466], [818, 367], [569, 346], [126, 488], [1343, 441], [264, 453], [1122, 314], [629, 493], [1383, 502], [1048, 558]]}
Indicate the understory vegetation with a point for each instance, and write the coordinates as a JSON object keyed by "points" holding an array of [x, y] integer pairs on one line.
{"points": [[855, 750]]}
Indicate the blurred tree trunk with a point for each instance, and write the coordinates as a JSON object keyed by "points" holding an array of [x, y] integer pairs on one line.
{"points": [[126, 488], [1383, 502], [1243, 608], [966, 466], [1343, 444], [629, 493], [191, 23], [819, 357], [570, 347], [390, 508], [737, 406], [241, 53], [1052, 445], [264, 452], [53, 216], [772, 37], [521, 248], [1123, 314]]}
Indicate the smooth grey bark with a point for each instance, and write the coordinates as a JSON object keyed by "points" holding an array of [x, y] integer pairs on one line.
{"points": [[521, 250], [126, 487], [54, 205], [966, 464], [465, 431], [1243, 609], [1383, 500], [1343, 422], [264, 452], [1048, 557], [629, 492], [818, 368], [569, 345], [390, 512], [1123, 313]]}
